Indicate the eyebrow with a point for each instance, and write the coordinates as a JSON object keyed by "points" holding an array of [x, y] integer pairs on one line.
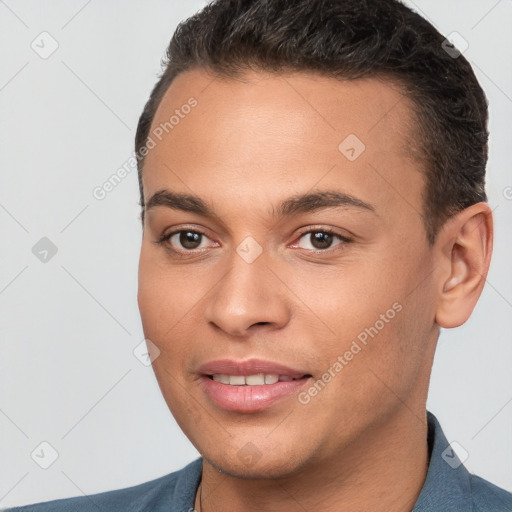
{"points": [[305, 203], [302, 203]]}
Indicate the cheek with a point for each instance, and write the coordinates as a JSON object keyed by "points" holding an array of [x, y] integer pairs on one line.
{"points": [[152, 304], [343, 302], [169, 302], [368, 315], [156, 299]]}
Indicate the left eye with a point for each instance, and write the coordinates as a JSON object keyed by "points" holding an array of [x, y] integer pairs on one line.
{"points": [[318, 240], [188, 239]]}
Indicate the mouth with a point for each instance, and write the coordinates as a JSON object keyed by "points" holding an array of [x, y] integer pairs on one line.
{"points": [[258, 379], [250, 386]]}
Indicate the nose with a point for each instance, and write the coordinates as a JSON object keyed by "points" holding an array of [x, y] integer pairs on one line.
{"points": [[248, 298]]}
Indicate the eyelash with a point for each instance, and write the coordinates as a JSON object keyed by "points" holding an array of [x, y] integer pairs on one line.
{"points": [[184, 252], [344, 240]]}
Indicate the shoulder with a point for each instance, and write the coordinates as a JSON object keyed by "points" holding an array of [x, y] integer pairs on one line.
{"points": [[449, 486], [172, 492], [486, 496]]}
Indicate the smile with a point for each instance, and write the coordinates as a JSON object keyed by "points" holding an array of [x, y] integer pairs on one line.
{"points": [[251, 385], [258, 379]]}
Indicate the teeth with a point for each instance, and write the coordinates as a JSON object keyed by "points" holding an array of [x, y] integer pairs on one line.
{"points": [[255, 380], [250, 380], [221, 378], [271, 379], [236, 380]]}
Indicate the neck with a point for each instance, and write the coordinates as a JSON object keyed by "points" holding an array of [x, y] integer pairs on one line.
{"points": [[383, 470]]}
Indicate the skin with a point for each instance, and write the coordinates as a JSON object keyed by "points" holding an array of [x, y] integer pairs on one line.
{"points": [[250, 144]]}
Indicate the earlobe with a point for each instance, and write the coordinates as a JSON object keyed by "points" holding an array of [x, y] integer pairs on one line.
{"points": [[464, 254]]}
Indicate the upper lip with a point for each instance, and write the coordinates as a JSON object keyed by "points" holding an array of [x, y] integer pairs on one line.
{"points": [[248, 367]]}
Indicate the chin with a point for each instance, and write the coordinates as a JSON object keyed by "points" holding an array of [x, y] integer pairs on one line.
{"points": [[279, 465]]}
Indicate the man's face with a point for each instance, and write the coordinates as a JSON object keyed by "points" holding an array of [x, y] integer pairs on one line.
{"points": [[307, 260]]}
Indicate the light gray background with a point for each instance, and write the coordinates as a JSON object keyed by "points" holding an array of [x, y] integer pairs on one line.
{"points": [[69, 326]]}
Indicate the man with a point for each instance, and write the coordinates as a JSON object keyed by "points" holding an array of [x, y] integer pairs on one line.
{"points": [[313, 207]]}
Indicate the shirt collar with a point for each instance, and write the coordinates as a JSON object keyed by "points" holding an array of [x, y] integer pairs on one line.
{"points": [[447, 486]]}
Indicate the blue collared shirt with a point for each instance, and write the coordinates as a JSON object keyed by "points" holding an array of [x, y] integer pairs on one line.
{"points": [[448, 487]]}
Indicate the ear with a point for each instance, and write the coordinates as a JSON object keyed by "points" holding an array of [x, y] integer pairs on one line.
{"points": [[463, 250]]}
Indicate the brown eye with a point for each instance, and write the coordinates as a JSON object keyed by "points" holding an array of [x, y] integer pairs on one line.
{"points": [[186, 240], [320, 240], [190, 239]]}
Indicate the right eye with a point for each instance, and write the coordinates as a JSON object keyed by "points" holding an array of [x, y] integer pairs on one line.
{"points": [[185, 240]]}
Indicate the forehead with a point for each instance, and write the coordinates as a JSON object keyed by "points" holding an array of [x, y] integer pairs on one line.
{"points": [[266, 131]]}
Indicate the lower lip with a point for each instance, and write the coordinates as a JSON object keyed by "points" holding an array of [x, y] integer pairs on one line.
{"points": [[250, 398]]}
